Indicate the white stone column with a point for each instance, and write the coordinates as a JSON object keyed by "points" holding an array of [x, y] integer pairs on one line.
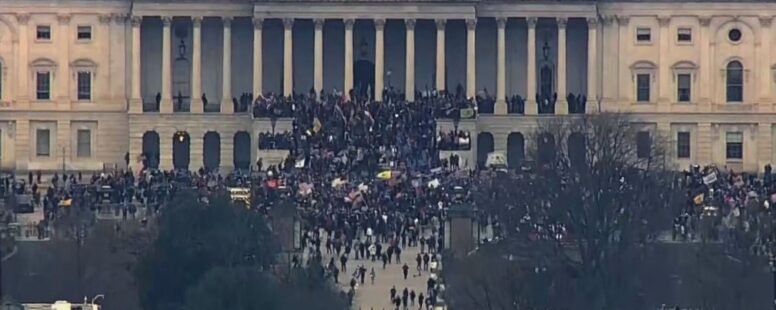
{"points": [[625, 91], [104, 92], [227, 106], [318, 58], [196, 65], [63, 51], [23, 91], [501, 66], [664, 67], [766, 78], [166, 102], [196, 150], [227, 152], [258, 58], [471, 59], [440, 54], [288, 56], [705, 70], [348, 84], [379, 59], [592, 65], [409, 81], [136, 100], [530, 96], [561, 106]]}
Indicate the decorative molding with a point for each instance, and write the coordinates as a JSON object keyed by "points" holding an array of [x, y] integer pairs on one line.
{"points": [[119, 19], [704, 20], [288, 23], [501, 22], [623, 20], [349, 23], [166, 21], [379, 24], [409, 23], [608, 19], [592, 22], [664, 21], [64, 19], [196, 21], [227, 20], [105, 18], [765, 21], [319, 23], [562, 22], [471, 24], [531, 21], [440, 23], [23, 18], [136, 20]]}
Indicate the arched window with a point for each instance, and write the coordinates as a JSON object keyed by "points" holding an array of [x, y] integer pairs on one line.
{"points": [[735, 81]]}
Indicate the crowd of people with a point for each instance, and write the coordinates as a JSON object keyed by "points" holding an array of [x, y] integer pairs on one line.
{"points": [[723, 205], [454, 141], [275, 141]]}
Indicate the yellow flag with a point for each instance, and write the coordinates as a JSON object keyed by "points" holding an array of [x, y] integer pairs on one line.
{"points": [[385, 175]]}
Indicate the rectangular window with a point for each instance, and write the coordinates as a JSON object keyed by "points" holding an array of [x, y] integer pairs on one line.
{"points": [[84, 85], [84, 149], [43, 85], [683, 144], [43, 143], [43, 33], [734, 146], [642, 87], [684, 35], [84, 33], [643, 144], [683, 83], [643, 35]]}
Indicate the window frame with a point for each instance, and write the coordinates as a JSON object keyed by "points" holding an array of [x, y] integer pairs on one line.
{"points": [[683, 145], [639, 88], [689, 32], [38, 88], [78, 85], [88, 152], [641, 153], [734, 151], [729, 84], [78, 33], [648, 34], [38, 151], [679, 77], [38, 33]]}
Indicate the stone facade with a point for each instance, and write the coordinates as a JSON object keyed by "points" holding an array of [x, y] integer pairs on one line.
{"points": [[702, 70]]}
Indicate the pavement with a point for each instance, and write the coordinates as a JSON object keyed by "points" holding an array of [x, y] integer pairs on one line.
{"points": [[377, 296]]}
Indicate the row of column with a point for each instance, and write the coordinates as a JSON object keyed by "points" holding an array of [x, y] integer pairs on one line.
{"points": [[471, 25]]}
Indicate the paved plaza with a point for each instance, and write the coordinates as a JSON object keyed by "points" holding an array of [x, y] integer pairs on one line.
{"points": [[377, 296]]}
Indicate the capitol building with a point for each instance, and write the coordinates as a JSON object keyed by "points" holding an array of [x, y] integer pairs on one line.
{"points": [[79, 79]]}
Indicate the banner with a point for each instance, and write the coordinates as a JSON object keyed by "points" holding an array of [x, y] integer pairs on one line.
{"points": [[710, 178], [467, 113], [385, 175]]}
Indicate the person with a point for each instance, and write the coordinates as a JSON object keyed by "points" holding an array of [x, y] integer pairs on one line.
{"points": [[405, 269], [372, 275], [385, 260], [335, 273], [393, 292], [418, 260], [344, 262], [412, 298], [426, 258], [420, 300]]}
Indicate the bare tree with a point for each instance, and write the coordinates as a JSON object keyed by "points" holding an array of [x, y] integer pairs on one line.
{"points": [[597, 195]]}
